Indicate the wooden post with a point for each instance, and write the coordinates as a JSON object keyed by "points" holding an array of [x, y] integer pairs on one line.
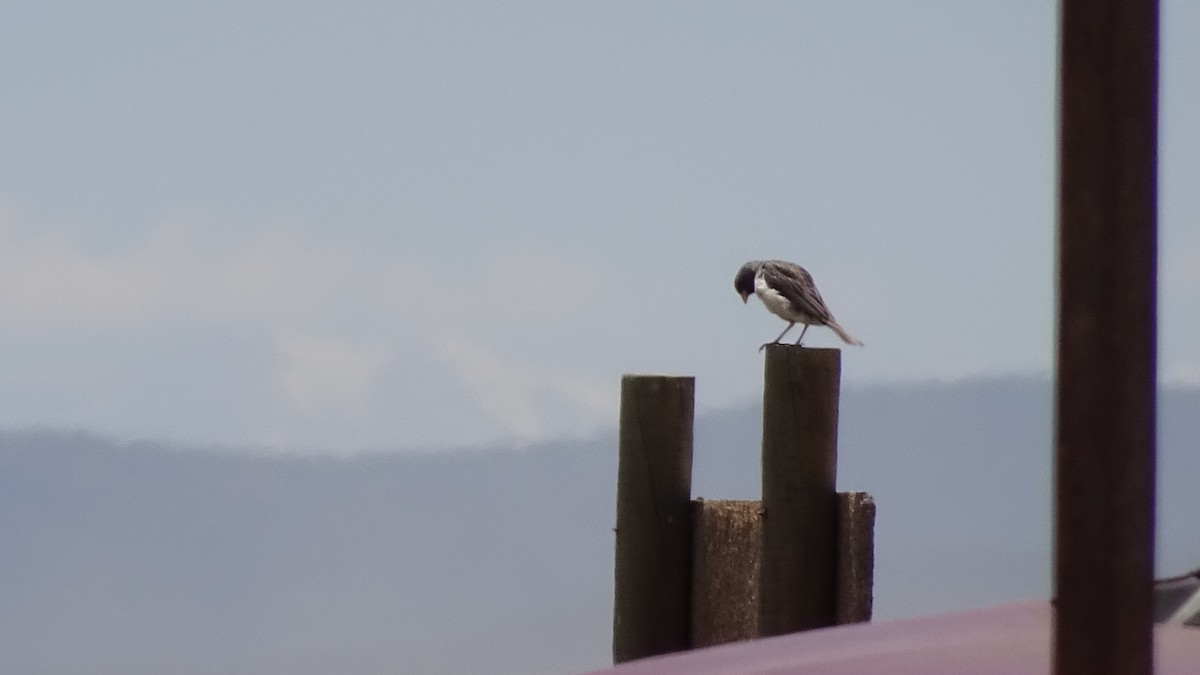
{"points": [[855, 557], [799, 458], [653, 544], [1105, 393], [726, 543], [726, 555]]}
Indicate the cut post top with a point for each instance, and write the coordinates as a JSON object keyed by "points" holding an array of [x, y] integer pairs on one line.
{"points": [[787, 347]]}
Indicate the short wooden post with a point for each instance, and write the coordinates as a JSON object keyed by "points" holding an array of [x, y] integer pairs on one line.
{"points": [[799, 458], [726, 542], [855, 557], [651, 613]]}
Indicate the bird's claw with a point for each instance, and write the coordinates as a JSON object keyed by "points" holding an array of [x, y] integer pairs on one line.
{"points": [[777, 342]]}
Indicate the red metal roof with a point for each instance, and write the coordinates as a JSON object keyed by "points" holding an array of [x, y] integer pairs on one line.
{"points": [[1006, 640]]}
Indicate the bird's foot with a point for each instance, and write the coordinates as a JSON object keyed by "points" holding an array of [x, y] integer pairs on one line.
{"points": [[768, 344]]}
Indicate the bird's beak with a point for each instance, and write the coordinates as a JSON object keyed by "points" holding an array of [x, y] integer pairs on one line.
{"points": [[745, 297]]}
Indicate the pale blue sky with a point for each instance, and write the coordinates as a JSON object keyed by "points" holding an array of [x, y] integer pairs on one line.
{"points": [[357, 225]]}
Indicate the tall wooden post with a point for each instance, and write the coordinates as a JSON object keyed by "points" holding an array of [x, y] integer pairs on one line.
{"points": [[1104, 474], [651, 613], [799, 456]]}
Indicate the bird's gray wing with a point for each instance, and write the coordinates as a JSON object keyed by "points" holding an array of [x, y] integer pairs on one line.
{"points": [[796, 284]]}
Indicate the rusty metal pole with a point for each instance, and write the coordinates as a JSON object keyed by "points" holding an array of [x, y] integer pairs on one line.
{"points": [[1105, 391]]}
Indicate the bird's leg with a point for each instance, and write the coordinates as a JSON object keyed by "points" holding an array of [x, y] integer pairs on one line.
{"points": [[802, 331], [785, 330]]}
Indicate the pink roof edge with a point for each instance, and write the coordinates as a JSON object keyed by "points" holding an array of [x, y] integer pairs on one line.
{"points": [[1011, 639]]}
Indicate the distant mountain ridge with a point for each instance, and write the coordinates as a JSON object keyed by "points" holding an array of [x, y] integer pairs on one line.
{"points": [[141, 558]]}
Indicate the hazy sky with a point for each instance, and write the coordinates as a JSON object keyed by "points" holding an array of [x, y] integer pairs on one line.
{"points": [[391, 224]]}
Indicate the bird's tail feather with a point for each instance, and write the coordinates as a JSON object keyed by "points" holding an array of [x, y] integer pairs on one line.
{"points": [[846, 337]]}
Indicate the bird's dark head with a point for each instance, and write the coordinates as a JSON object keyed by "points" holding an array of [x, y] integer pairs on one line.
{"points": [[743, 283]]}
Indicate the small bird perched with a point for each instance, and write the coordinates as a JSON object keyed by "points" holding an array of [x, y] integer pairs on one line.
{"points": [[787, 289]]}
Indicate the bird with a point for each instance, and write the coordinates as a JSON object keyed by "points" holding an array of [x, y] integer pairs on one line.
{"points": [[788, 291]]}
